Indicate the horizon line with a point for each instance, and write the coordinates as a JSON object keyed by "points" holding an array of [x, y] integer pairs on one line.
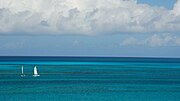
{"points": [[73, 56]]}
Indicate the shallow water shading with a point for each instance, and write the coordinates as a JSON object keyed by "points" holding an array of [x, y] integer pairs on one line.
{"points": [[148, 80]]}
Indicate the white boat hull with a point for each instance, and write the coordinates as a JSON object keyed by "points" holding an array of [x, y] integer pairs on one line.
{"points": [[36, 75], [23, 75]]}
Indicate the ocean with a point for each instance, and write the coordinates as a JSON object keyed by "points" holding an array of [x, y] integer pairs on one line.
{"points": [[90, 79]]}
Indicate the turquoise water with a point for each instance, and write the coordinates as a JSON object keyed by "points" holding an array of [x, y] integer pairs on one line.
{"points": [[90, 79]]}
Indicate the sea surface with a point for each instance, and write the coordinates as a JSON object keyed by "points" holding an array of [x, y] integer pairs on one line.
{"points": [[90, 79]]}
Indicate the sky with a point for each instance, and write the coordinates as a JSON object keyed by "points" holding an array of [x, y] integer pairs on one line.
{"points": [[120, 28]]}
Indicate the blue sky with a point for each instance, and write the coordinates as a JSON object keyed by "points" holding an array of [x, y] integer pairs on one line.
{"points": [[81, 46], [147, 34], [164, 3]]}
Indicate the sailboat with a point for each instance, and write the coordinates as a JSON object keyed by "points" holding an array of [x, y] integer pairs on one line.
{"points": [[35, 72], [22, 72]]}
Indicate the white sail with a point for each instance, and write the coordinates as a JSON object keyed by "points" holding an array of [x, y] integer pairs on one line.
{"points": [[22, 71], [35, 72]]}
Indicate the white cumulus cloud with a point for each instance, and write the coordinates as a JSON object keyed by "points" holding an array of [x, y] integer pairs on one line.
{"points": [[86, 17], [177, 8]]}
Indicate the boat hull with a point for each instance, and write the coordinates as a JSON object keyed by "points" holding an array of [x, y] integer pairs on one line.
{"points": [[23, 75], [36, 75]]}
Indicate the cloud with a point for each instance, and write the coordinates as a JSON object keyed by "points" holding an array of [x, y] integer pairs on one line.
{"points": [[177, 8], [15, 45], [130, 41], [154, 40], [177, 41], [87, 17]]}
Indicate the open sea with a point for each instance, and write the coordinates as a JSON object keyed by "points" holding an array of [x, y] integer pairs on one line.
{"points": [[90, 79]]}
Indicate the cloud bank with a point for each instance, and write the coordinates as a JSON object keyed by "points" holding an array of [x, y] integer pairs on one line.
{"points": [[86, 17], [155, 40]]}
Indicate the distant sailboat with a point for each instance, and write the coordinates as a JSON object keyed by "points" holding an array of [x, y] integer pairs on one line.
{"points": [[22, 70], [35, 72]]}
